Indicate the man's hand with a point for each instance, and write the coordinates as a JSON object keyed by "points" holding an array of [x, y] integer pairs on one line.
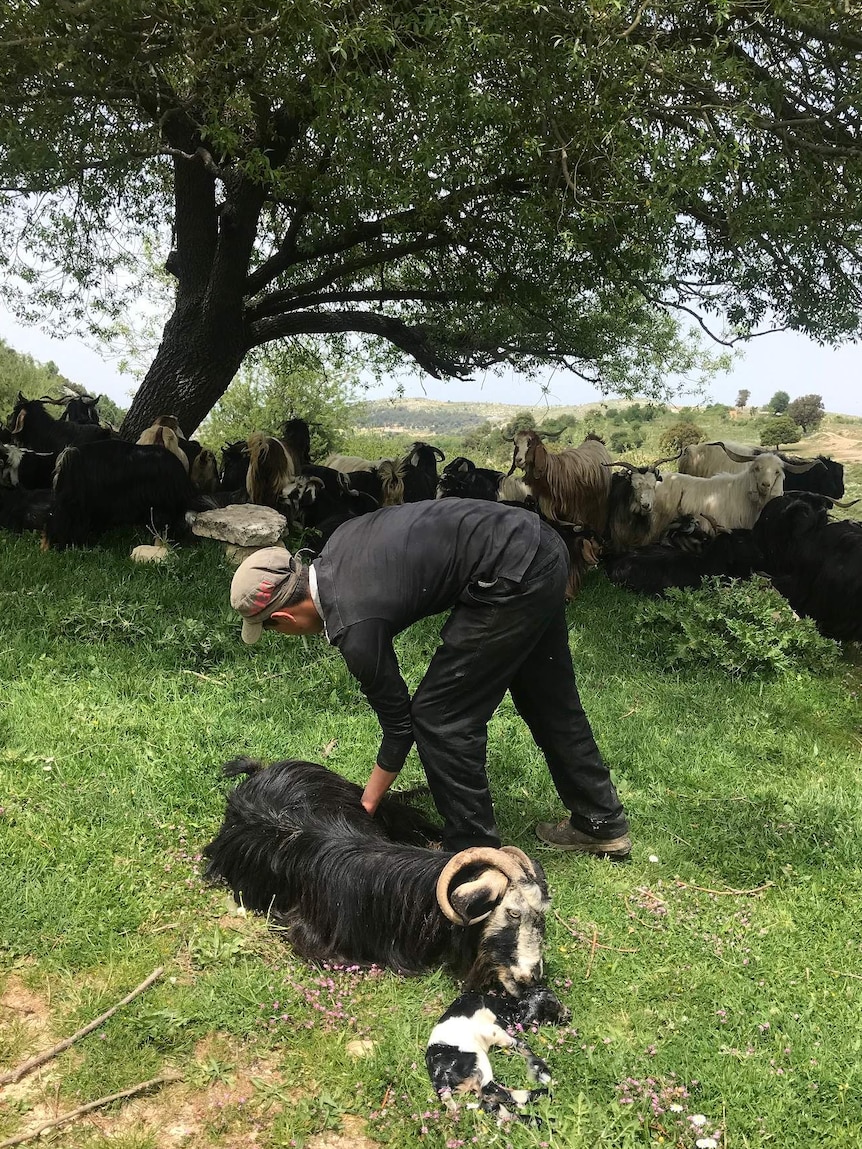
{"points": [[375, 788]]}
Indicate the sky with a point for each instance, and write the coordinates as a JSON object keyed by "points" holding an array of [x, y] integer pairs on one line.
{"points": [[783, 361]]}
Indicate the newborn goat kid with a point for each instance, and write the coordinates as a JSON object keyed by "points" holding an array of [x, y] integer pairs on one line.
{"points": [[457, 1053]]}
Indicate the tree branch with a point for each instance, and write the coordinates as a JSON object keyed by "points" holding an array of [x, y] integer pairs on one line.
{"points": [[415, 341]]}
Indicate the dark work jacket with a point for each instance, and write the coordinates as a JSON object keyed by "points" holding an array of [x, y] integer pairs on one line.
{"points": [[382, 572]]}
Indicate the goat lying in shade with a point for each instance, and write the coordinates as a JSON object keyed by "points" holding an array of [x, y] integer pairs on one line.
{"points": [[457, 1053]]}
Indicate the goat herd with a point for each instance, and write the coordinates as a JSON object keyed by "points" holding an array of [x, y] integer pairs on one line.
{"points": [[729, 510], [295, 837]]}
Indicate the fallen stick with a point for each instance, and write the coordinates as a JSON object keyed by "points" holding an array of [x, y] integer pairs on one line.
{"points": [[65, 1118], [16, 1074], [842, 973], [592, 954], [732, 893]]}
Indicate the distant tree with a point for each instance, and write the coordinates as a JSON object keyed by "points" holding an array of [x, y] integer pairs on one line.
{"points": [[779, 429], [627, 440], [19, 372], [742, 398], [274, 387], [679, 435], [520, 421], [779, 403], [807, 411], [641, 413]]}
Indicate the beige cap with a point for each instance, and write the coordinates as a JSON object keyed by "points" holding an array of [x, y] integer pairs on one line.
{"points": [[264, 583]]}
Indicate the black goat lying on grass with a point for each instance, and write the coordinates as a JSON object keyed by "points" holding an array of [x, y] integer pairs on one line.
{"points": [[457, 1053], [297, 845], [656, 568]]}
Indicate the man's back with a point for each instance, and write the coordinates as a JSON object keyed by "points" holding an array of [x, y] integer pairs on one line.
{"points": [[404, 563]]}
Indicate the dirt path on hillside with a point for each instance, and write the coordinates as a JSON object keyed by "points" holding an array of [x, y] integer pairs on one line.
{"points": [[842, 447]]}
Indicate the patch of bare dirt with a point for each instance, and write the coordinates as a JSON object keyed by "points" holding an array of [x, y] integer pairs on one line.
{"points": [[226, 1113], [842, 447]]}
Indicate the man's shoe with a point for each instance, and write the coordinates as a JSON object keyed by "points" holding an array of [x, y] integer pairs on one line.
{"points": [[564, 836]]}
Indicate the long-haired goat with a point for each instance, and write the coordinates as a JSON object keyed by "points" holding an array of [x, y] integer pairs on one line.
{"points": [[165, 432], [814, 562], [573, 485], [824, 477], [733, 501], [115, 483], [297, 845], [295, 437], [82, 409], [32, 427], [270, 469], [630, 506], [33, 470]]}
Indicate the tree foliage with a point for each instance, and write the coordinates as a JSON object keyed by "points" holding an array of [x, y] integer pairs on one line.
{"points": [[742, 398], [807, 411], [779, 429], [679, 435], [273, 387], [464, 184], [779, 403]]}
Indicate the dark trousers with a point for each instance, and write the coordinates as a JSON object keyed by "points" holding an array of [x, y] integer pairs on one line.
{"points": [[510, 637]]}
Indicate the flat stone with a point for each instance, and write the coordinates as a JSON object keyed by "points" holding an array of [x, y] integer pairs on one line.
{"points": [[243, 524], [237, 555]]}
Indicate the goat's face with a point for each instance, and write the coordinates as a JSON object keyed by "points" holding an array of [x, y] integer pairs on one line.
{"points": [[767, 478], [643, 485], [513, 937], [10, 459], [508, 898], [525, 449]]}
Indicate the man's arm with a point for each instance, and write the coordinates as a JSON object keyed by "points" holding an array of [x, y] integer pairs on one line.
{"points": [[366, 647], [376, 787]]}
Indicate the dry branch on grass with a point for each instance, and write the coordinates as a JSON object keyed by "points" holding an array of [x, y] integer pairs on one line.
{"points": [[32, 1063], [64, 1118]]}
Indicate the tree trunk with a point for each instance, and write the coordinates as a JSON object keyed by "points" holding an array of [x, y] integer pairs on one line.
{"points": [[193, 368]]}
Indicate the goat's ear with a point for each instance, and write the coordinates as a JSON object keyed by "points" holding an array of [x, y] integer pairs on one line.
{"points": [[474, 900], [19, 423]]}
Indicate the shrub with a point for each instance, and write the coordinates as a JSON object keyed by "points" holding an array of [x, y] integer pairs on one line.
{"points": [[627, 440], [679, 435], [737, 627], [779, 429]]}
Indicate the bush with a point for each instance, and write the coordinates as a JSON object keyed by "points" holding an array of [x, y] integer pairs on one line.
{"points": [[679, 435], [738, 628], [627, 440], [779, 429]]}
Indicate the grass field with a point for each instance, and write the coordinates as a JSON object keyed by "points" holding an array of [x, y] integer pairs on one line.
{"points": [[716, 976]]}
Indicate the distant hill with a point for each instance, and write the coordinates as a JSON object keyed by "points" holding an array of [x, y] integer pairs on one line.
{"points": [[437, 417]]}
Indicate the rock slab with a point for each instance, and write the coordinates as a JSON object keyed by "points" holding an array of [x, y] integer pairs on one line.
{"points": [[242, 524]]}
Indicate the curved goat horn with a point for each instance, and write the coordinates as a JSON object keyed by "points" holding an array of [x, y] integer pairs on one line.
{"points": [[843, 506], [669, 459], [476, 855], [621, 463]]}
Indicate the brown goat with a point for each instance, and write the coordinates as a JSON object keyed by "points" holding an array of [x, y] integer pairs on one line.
{"points": [[572, 485], [270, 468], [165, 432]]}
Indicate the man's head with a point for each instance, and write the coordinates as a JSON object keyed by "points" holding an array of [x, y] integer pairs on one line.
{"points": [[270, 590]]}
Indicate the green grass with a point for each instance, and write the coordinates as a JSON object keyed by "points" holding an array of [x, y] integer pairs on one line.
{"points": [[125, 688]]}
